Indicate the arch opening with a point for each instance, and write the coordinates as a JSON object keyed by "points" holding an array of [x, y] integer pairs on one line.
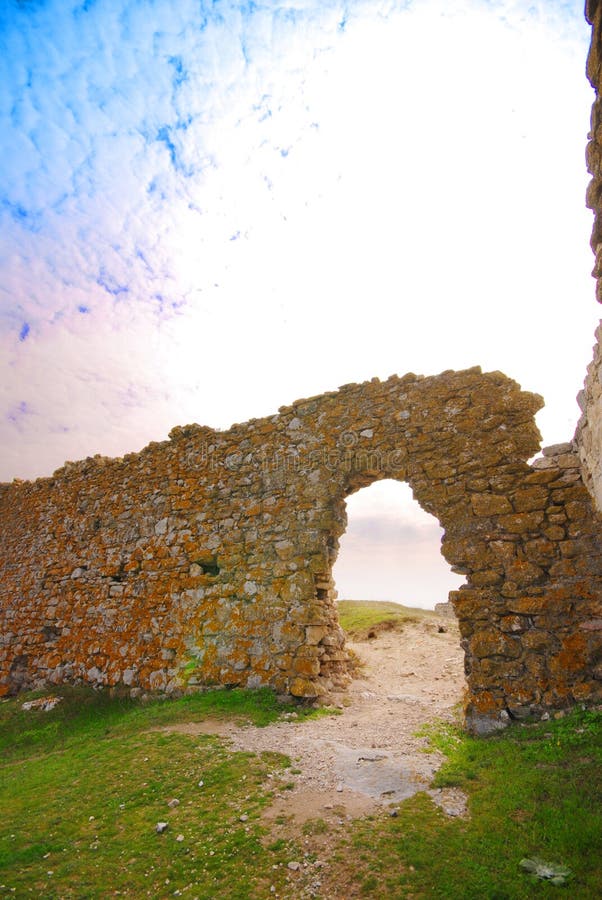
{"points": [[391, 549], [391, 585]]}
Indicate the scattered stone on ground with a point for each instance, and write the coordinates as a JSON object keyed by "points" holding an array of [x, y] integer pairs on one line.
{"points": [[546, 871], [43, 704], [452, 801]]}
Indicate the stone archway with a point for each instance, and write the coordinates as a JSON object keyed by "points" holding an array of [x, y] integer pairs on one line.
{"points": [[207, 559], [528, 609]]}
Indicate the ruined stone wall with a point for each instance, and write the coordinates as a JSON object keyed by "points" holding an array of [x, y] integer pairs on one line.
{"points": [[589, 431], [207, 559]]}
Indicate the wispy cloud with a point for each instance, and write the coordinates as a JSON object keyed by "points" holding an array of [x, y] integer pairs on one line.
{"points": [[17, 413], [207, 209]]}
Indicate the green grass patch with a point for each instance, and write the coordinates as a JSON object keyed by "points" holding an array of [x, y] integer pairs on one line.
{"points": [[82, 788], [534, 792], [85, 712], [315, 826], [443, 737], [365, 619]]}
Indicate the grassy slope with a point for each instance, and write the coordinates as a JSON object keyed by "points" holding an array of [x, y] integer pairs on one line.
{"points": [[83, 786], [361, 617]]}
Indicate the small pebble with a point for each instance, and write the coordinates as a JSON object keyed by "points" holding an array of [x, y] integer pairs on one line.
{"points": [[340, 787], [173, 803], [160, 827], [201, 783], [243, 818], [293, 866], [180, 838]]}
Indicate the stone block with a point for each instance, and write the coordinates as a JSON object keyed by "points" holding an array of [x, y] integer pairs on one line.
{"points": [[530, 499], [558, 449], [554, 532], [486, 578], [490, 504], [519, 523], [314, 634], [539, 641], [490, 642], [572, 657], [541, 550], [304, 666], [514, 624], [523, 572], [306, 688]]}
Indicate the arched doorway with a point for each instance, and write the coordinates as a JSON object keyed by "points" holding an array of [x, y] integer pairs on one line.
{"points": [[389, 576], [391, 550]]}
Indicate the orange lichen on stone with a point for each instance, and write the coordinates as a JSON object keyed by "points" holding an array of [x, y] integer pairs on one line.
{"points": [[573, 655], [207, 559]]}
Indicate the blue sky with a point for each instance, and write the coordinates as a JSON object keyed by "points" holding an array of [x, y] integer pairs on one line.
{"points": [[210, 209]]}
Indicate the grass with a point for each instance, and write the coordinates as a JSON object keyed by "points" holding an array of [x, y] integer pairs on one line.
{"points": [[534, 791], [97, 714], [82, 788], [365, 619]]}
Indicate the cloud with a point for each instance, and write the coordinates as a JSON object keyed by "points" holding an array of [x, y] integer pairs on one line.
{"points": [[396, 531], [391, 550], [17, 413], [209, 209], [394, 557]]}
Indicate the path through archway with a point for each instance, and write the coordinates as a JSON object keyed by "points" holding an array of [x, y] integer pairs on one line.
{"points": [[409, 660]]}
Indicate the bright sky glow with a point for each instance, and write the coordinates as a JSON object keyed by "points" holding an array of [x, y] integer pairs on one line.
{"points": [[391, 550], [209, 209]]}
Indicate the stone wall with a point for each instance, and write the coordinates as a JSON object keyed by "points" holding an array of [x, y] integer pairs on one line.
{"points": [[589, 431], [207, 559]]}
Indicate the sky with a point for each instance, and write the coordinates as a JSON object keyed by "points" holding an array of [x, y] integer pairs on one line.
{"points": [[210, 209]]}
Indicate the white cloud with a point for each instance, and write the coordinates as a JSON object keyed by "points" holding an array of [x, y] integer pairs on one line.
{"points": [[275, 200], [391, 550]]}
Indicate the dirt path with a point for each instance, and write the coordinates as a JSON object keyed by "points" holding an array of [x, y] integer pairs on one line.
{"points": [[368, 756]]}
